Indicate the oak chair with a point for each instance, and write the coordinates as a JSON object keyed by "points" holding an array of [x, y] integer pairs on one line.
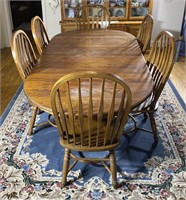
{"points": [[39, 33], [144, 33], [90, 110], [93, 16], [160, 63], [25, 60]]}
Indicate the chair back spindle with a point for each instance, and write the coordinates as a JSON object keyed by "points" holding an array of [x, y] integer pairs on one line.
{"points": [[23, 53], [25, 60], [93, 17], [161, 61], [39, 33], [144, 33]]}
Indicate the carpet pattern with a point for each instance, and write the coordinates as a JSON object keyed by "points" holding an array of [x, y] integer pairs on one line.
{"points": [[29, 170]]}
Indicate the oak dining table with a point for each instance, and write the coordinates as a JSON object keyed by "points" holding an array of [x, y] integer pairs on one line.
{"points": [[107, 50]]}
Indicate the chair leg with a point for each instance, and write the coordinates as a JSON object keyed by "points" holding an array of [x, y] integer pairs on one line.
{"points": [[33, 118], [113, 168], [153, 125], [66, 161], [145, 116]]}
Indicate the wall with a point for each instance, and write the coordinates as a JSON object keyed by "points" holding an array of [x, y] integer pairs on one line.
{"points": [[168, 15], [51, 16], [5, 24]]}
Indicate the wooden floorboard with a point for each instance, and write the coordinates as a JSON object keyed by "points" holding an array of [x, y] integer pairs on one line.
{"points": [[10, 79]]}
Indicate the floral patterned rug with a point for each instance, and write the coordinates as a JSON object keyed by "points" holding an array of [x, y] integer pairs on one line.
{"points": [[30, 166]]}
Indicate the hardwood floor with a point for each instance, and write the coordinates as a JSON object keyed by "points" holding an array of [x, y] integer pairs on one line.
{"points": [[178, 77], [10, 79]]}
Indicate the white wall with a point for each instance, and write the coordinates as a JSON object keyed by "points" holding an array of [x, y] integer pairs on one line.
{"points": [[168, 15], [51, 16], [5, 24]]}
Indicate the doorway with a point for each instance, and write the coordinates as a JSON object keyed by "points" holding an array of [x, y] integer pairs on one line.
{"points": [[22, 13]]}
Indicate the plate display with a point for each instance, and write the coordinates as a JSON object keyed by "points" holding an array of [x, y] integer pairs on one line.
{"points": [[101, 11], [119, 12], [70, 13], [139, 11], [95, 2]]}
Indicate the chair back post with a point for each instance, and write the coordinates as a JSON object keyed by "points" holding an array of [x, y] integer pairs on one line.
{"points": [[145, 32], [93, 16], [39, 33], [23, 53], [90, 110], [25, 60], [161, 61]]}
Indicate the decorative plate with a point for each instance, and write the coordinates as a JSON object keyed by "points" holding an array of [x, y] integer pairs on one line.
{"points": [[101, 11], [142, 11], [119, 13]]}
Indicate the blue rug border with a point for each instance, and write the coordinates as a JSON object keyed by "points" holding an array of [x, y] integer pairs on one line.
{"points": [[12, 101], [9, 106], [181, 101]]}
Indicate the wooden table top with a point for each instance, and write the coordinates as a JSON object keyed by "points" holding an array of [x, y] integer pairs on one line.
{"points": [[110, 51]]}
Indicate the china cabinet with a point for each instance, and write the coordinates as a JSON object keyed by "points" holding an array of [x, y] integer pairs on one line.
{"points": [[125, 15]]}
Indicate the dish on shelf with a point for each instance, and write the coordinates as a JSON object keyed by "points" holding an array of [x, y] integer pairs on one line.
{"points": [[71, 13], [140, 1], [141, 11], [120, 3], [101, 11], [112, 4], [73, 3], [95, 2], [119, 12]]}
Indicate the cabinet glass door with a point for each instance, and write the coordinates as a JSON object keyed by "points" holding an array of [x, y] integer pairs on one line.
{"points": [[97, 11], [139, 8], [117, 9], [72, 8]]}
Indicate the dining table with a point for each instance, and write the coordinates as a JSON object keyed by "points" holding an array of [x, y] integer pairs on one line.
{"points": [[107, 50]]}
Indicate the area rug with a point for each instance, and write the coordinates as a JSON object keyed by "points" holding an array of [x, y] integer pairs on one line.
{"points": [[31, 166]]}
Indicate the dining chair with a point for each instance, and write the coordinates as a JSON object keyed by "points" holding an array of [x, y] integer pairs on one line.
{"points": [[160, 63], [90, 110], [93, 16], [144, 33], [25, 60], [39, 33]]}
